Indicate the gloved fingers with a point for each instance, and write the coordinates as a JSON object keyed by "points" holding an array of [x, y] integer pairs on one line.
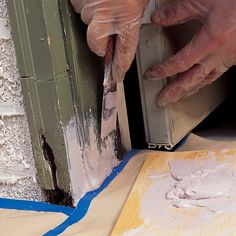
{"points": [[182, 85], [126, 45], [108, 17], [188, 83], [85, 12], [221, 63], [199, 47], [77, 5], [213, 76], [178, 12], [99, 11], [98, 36]]}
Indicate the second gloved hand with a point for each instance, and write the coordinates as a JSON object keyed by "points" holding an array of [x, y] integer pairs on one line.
{"points": [[209, 54], [108, 17]]}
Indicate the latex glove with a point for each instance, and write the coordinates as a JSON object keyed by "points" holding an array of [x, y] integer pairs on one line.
{"points": [[108, 17], [209, 54]]}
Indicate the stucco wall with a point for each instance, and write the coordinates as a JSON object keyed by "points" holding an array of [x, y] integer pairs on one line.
{"points": [[17, 170]]}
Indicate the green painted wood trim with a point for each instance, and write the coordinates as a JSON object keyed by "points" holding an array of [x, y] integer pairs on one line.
{"points": [[42, 62], [86, 69], [61, 80]]}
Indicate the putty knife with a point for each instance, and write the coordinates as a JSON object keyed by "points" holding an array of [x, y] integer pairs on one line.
{"points": [[109, 104]]}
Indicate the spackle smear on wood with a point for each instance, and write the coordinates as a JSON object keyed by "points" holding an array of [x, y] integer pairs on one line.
{"points": [[90, 164]]}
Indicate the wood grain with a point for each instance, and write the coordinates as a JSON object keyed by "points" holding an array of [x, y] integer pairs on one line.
{"points": [[123, 118]]}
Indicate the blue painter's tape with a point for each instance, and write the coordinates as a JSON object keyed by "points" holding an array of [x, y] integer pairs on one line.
{"points": [[33, 206], [85, 202]]}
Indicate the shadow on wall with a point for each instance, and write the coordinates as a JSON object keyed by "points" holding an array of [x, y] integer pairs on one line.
{"points": [[221, 124]]}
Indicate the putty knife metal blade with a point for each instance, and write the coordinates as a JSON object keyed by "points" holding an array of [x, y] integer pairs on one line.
{"points": [[109, 104]]}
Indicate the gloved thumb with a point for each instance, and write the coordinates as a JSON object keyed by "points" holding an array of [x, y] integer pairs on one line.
{"points": [[126, 45]]}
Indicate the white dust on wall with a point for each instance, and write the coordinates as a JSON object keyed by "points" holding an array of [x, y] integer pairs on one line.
{"points": [[17, 169]]}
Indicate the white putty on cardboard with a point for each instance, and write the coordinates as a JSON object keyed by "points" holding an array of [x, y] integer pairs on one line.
{"points": [[209, 185]]}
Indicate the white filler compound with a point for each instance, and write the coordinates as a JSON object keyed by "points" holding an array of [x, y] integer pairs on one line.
{"points": [[207, 184], [17, 170]]}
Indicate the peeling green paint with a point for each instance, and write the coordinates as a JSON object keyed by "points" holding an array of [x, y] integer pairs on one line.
{"points": [[61, 79]]}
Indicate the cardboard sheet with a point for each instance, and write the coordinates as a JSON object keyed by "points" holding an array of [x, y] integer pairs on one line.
{"points": [[105, 209], [28, 223], [171, 221], [195, 142]]}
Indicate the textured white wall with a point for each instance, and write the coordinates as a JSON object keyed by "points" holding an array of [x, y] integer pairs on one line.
{"points": [[17, 170]]}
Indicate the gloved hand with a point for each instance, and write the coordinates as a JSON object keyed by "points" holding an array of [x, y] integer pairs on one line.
{"points": [[108, 17], [209, 54]]}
